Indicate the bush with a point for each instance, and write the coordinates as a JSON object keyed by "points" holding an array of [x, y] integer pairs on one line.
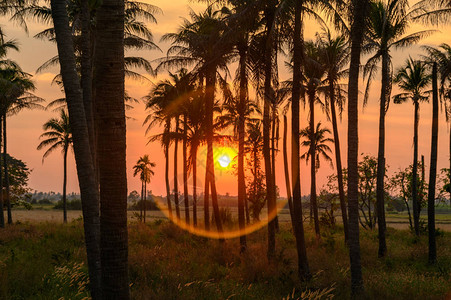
{"points": [[70, 204]]}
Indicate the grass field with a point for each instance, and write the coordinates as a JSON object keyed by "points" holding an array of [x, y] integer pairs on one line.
{"points": [[45, 260]]}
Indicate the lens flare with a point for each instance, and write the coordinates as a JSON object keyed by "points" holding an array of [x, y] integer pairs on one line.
{"points": [[224, 161]]}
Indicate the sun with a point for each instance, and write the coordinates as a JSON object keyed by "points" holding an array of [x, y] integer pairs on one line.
{"points": [[224, 160]]}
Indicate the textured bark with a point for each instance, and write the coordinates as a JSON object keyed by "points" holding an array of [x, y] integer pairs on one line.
{"points": [[341, 192], [111, 148], [6, 174], [359, 10], [241, 135], [83, 158], [433, 170], [166, 171], [297, 218], [415, 203], [64, 185]]}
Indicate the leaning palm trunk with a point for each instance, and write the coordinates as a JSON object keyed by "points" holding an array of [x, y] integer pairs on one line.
{"points": [[433, 170], [359, 10], [297, 218], [287, 172], [273, 160], [241, 135], [313, 202], [185, 171], [380, 193], [341, 193], [194, 165], [85, 165], [176, 185], [5, 166], [111, 148]]}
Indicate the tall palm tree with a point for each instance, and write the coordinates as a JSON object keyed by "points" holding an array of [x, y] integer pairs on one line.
{"points": [[357, 14], [321, 144], [387, 23], [15, 95], [58, 135], [335, 57], [144, 167], [413, 79], [433, 11], [110, 119], [201, 42], [83, 154]]}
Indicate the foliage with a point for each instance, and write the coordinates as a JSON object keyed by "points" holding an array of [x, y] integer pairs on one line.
{"points": [[71, 204], [18, 179]]}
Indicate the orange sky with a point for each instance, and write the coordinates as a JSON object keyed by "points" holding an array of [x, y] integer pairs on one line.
{"points": [[25, 128]]}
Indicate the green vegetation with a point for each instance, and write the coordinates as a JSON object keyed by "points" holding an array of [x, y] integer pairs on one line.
{"points": [[168, 263]]}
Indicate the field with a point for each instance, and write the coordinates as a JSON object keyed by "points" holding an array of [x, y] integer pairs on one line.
{"points": [[41, 258]]}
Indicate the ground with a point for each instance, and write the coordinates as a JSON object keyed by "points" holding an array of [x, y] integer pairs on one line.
{"points": [[46, 260]]}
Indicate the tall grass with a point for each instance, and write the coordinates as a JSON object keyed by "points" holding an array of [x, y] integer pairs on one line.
{"points": [[47, 261]]}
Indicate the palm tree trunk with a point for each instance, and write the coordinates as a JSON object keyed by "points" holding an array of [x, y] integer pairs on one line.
{"points": [[287, 172], [166, 169], [380, 192], [341, 193], [111, 148], [206, 198], [2, 215], [210, 172], [273, 161], [65, 184], [185, 170], [268, 57], [415, 172], [85, 165], [433, 170], [194, 163], [176, 184], [314, 204], [145, 201], [142, 200], [6, 167], [359, 12], [297, 218], [241, 135]]}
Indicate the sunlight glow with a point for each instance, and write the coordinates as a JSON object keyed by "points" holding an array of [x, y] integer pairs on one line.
{"points": [[224, 160]]}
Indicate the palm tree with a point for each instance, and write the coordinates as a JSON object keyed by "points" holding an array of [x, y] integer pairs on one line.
{"points": [[413, 80], [335, 57], [111, 148], [433, 11], [83, 154], [15, 95], [321, 140], [58, 135], [388, 22], [357, 14], [202, 42], [432, 257], [442, 55], [144, 167]]}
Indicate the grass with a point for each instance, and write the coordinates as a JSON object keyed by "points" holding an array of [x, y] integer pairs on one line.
{"points": [[47, 261]]}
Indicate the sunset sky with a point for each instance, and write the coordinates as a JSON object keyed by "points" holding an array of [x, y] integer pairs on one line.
{"points": [[25, 128]]}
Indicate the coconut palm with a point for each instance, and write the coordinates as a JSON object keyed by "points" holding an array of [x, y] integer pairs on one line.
{"points": [[413, 79], [321, 144], [387, 24], [335, 57], [15, 95], [82, 147], [201, 42], [357, 14], [58, 135], [433, 11], [143, 168]]}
